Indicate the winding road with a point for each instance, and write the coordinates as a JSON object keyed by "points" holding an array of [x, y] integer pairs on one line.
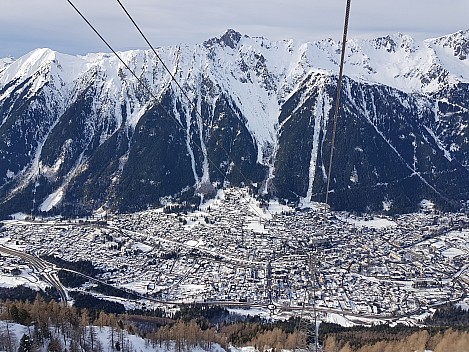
{"points": [[43, 268]]}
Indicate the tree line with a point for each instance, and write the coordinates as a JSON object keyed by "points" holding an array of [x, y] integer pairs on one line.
{"points": [[55, 327], [384, 338]]}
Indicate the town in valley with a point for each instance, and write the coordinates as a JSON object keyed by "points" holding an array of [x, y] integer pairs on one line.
{"points": [[260, 258]]}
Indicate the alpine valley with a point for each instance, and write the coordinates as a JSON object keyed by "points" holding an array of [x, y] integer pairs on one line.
{"points": [[78, 133]]}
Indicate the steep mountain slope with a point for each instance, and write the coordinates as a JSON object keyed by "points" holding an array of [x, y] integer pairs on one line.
{"points": [[79, 133]]}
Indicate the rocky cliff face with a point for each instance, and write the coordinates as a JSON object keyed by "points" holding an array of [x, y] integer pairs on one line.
{"points": [[79, 133]]}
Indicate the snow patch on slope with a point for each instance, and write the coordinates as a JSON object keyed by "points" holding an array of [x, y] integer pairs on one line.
{"points": [[258, 75], [4, 62], [320, 113], [52, 200]]}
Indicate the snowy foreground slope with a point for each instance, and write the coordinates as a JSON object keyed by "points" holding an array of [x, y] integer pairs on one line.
{"points": [[101, 335], [81, 132]]}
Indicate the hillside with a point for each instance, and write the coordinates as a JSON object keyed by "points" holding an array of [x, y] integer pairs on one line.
{"points": [[81, 132]]}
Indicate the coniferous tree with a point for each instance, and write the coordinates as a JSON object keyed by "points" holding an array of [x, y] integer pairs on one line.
{"points": [[54, 345], [14, 313], [26, 345]]}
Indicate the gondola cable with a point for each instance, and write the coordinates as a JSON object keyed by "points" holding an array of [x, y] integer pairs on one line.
{"points": [[337, 100], [173, 78], [152, 94]]}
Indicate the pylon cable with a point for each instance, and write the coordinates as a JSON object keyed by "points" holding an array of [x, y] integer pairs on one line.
{"points": [[179, 124], [157, 56], [337, 100], [173, 78]]}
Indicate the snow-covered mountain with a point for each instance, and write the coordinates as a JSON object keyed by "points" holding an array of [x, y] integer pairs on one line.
{"points": [[81, 132]]}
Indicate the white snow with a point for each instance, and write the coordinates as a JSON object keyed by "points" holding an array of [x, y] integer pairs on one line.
{"points": [[26, 278], [321, 112], [377, 223], [463, 305], [257, 226], [16, 330], [438, 244], [141, 246], [52, 200], [258, 74], [263, 313], [427, 205], [338, 319], [19, 216], [274, 69], [452, 252], [191, 243], [192, 289], [387, 205], [275, 207], [131, 342], [4, 62]]}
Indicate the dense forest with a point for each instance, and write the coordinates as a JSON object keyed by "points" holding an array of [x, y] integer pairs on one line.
{"points": [[421, 340], [446, 330]]}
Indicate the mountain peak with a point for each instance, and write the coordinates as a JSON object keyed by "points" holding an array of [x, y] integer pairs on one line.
{"points": [[26, 65], [458, 42], [97, 135], [230, 38], [392, 43]]}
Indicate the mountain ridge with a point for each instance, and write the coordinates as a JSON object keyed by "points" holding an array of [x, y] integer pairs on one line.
{"points": [[60, 112]]}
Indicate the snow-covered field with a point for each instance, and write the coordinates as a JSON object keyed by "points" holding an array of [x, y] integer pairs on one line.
{"points": [[375, 222], [132, 343]]}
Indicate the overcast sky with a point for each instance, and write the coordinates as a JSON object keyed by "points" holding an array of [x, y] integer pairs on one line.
{"points": [[29, 24]]}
